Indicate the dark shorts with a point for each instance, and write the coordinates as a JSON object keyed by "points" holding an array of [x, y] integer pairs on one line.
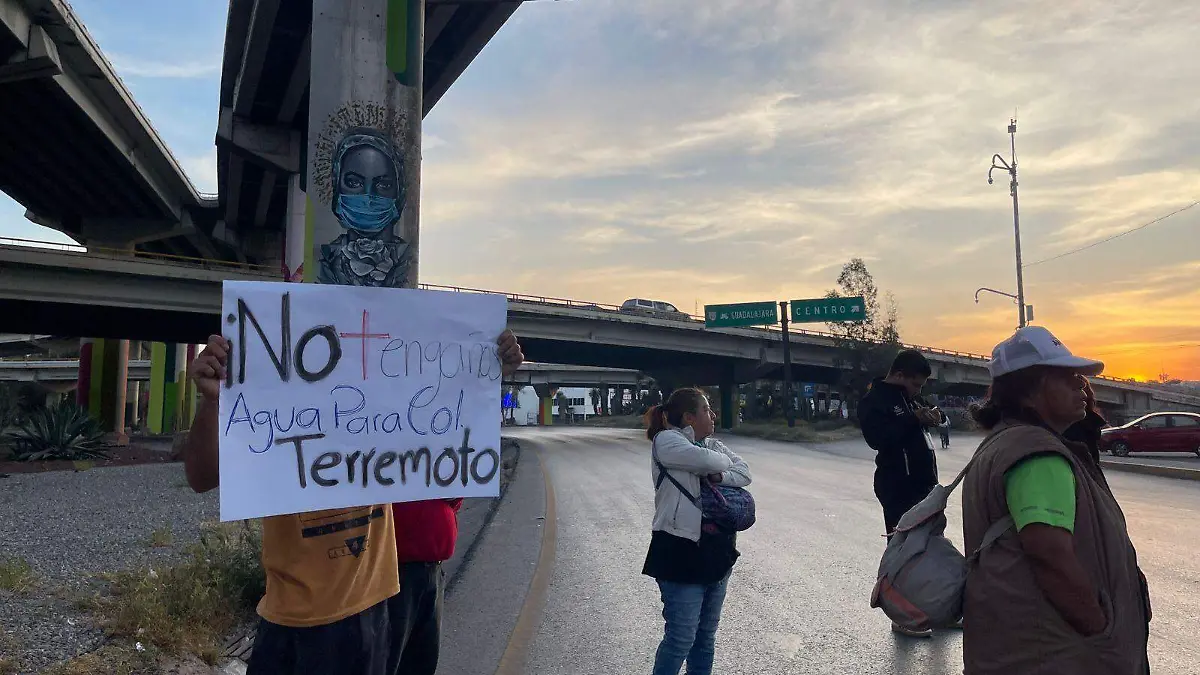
{"points": [[357, 645]]}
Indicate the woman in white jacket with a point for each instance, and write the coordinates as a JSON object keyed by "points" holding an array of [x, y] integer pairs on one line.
{"points": [[691, 560]]}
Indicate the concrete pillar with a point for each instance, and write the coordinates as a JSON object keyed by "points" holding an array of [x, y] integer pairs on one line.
{"points": [[545, 394], [101, 383], [161, 408], [364, 117], [179, 413], [134, 403], [83, 385], [116, 386], [295, 231], [729, 403], [604, 410]]}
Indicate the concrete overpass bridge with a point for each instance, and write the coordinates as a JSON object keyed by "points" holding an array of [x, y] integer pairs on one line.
{"points": [[83, 158], [163, 299], [530, 374]]}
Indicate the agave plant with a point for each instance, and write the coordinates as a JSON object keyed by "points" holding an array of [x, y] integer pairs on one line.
{"points": [[62, 432]]}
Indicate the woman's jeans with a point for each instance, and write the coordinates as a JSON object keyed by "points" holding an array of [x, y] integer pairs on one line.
{"points": [[691, 612]]}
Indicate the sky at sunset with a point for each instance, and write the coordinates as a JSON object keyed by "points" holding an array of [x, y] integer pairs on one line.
{"points": [[742, 150]]}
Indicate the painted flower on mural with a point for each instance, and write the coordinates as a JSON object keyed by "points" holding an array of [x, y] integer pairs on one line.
{"points": [[364, 262], [368, 200]]}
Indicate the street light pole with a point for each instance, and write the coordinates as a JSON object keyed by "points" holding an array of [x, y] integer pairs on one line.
{"points": [[999, 163]]}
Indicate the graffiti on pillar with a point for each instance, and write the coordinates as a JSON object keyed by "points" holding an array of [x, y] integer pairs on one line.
{"points": [[364, 179]]}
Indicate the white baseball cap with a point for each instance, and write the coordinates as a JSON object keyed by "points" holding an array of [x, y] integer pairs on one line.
{"points": [[1035, 346]]}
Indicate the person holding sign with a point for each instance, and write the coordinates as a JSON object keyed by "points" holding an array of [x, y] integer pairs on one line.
{"points": [[329, 573]]}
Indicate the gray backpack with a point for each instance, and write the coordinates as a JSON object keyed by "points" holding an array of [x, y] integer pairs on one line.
{"points": [[922, 574]]}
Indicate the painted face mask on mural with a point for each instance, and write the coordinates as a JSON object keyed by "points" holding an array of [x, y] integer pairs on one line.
{"points": [[367, 212]]}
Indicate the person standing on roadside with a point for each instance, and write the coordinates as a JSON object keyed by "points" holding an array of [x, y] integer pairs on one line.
{"points": [[690, 559], [895, 424], [426, 532], [1087, 430], [329, 573], [1066, 568]]}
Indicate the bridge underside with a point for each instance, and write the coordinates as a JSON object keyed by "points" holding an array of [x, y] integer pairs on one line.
{"points": [[262, 134], [83, 159]]}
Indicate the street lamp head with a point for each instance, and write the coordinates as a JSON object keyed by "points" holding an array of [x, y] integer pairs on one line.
{"points": [[990, 181]]}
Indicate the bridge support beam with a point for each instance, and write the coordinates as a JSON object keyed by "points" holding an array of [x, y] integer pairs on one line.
{"points": [[102, 382], [172, 397], [729, 402], [545, 413]]}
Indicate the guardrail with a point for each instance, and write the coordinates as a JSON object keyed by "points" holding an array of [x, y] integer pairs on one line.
{"points": [[116, 253], [513, 297]]}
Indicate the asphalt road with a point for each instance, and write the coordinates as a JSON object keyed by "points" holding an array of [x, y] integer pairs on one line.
{"points": [[798, 598]]}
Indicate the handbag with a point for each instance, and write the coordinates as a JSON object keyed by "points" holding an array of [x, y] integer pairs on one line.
{"points": [[726, 508]]}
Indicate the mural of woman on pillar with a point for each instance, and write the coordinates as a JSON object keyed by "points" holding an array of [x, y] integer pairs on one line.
{"points": [[368, 197]]}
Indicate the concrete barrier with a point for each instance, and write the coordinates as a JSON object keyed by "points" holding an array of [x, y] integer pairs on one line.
{"points": [[1153, 469]]}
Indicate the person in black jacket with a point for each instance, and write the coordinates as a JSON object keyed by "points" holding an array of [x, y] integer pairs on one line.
{"points": [[1087, 430], [895, 421]]}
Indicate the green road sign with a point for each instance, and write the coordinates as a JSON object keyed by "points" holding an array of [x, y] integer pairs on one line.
{"points": [[742, 314], [828, 310]]}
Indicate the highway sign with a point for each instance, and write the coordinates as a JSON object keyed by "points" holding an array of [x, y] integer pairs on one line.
{"points": [[828, 310], [742, 314]]}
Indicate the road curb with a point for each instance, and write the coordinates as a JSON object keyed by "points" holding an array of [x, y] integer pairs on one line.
{"points": [[1153, 470], [513, 661], [469, 543]]}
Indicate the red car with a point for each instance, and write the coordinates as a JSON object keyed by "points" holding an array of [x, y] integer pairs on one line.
{"points": [[1156, 432]]}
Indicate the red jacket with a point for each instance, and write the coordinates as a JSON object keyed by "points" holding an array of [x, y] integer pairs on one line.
{"points": [[426, 531]]}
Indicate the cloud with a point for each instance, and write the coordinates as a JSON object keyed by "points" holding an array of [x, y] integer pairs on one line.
{"points": [[768, 141], [202, 171], [131, 66]]}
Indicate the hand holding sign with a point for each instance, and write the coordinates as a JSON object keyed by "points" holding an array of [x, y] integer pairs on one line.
{"points": [[208, 370], [511, 355]]}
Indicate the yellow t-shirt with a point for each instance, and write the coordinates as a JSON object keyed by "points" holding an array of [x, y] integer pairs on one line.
{"points": [[327, 565]]}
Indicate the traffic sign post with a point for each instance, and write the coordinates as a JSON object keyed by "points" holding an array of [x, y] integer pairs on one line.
{"points": [[789, 411], [831, 310], [741, 314]]}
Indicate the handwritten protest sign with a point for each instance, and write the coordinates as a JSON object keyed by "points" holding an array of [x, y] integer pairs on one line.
{"points": [[347, 396]]}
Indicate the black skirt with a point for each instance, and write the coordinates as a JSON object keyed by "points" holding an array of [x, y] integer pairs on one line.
{"points": [[684, 561]]}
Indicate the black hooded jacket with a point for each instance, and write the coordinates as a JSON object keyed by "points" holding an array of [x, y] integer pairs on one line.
{"points": [[904, 457]]}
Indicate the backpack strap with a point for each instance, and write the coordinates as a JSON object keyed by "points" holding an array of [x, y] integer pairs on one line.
{"points": [[962, 474], [993, 533], [664, 474], [999, 527]]}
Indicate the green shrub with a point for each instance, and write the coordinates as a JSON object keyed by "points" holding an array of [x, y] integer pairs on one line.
{"points": [[191, 607], [64, 432], [15, 574]]}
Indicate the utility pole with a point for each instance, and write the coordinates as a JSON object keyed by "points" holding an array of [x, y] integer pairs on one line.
{"points": [[1011, 167], [788, 410]]}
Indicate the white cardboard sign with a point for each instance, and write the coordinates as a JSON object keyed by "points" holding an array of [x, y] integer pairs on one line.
{"points": [[343, 396]]}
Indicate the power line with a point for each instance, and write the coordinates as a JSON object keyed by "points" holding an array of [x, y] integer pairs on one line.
{"points": [[1115, 236]]}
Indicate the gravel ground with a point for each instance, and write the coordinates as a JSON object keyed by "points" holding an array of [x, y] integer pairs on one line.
{"points": [[70, 526]]}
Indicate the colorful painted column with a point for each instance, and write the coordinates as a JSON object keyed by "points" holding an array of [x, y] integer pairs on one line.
{"points": [[189, 388], [101, 383], [167, 387], [116, 381], [545, 411]]}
